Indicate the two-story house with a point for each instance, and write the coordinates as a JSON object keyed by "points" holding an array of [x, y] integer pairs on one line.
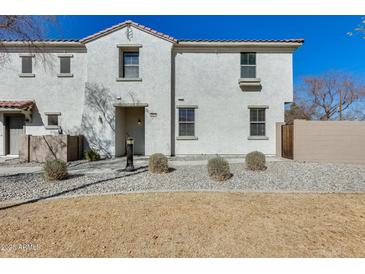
{"points": [[172, 96]]}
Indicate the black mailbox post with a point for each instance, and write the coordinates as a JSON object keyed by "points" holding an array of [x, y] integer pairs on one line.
{"points": [[130, 143]]}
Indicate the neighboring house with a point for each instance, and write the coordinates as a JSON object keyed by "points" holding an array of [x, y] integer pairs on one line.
{"points": [[172, 96]]}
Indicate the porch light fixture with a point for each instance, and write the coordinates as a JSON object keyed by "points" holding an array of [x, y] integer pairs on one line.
{"points": [[139, 122]]}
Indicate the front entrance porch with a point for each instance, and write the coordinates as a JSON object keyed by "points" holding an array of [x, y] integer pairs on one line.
{"points": [[13, 116], [14, 129], [129, 122]]}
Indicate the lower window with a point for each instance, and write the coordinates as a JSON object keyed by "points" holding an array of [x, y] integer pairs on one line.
{"points": [[187, 122], [52, 120], [257, 122]]}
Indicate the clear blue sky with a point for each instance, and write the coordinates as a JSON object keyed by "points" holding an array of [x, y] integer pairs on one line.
{"points": [[326, 47]]}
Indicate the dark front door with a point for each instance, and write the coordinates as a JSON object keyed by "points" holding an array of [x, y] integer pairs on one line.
{"points": [[14, 130]]}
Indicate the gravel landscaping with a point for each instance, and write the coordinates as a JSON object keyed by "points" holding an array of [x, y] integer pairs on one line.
{"points": [[285, 176]]}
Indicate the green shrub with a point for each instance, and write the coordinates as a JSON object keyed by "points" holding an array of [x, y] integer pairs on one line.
{"points": [[55, 170], [92, 155], [255, 161], [218, 169], [158, 163]]}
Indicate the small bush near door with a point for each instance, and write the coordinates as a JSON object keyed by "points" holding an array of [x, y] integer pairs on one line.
{"points": [[158, 163], [218, 169], [55, 170], [92, 155], [255, 161]]}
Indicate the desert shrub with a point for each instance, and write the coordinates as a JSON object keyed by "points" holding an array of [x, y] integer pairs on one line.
{"points": [[255, 161], [158, 163], [55, 170], [218, 169], [92, 155]]}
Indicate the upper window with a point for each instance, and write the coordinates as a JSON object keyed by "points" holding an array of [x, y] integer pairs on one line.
{"points": [[257, 121], [65, 65], [27, 64], [248, 65], [130, 64], [187, 122]]}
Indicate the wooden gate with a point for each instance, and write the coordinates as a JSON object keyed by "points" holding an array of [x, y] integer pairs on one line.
{"points": [[287, 137]]}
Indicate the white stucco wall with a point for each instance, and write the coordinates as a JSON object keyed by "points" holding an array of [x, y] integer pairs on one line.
{"points": [[50, 93], [154, 89], [206, 78], [210, 81]]}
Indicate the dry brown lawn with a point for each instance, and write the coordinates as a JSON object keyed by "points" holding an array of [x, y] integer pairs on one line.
{"points": [[188, 225]]}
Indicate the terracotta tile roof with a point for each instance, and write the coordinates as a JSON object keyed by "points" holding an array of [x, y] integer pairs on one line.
{"points": [[300, 40], [21, 104], [39, 41], [176, 41], [166, 37], [128, 23], [42, 43]]}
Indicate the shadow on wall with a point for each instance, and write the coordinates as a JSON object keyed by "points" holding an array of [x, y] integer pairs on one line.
{"points": [[98, 119], [36, 118], [44, 148]]}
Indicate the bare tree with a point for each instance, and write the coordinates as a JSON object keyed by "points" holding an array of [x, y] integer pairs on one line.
{"points": [[330, 96], [298, 110], [26, 28], [356, 113]]}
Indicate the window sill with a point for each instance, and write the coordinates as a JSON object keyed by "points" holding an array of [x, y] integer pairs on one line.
{"points": [[26, 75], [65, 75], [258, 138], [187, 106], [52, 127], [249, 82], [186, 138], [120, 79]]}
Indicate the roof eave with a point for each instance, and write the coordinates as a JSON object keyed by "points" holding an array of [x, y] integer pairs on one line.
{"points": [[293, 45], [40, 44]]}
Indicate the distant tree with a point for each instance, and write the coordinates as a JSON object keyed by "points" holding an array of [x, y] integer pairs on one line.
{"points": [[297, 111], [355, 114], [330, 96], [23, 27]]}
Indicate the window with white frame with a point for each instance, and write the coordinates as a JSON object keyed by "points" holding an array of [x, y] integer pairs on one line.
{"points": [[129, 64], [65, 64], [27, 64], [186, 122], [248, 65], [257, 121], [53, 119]]}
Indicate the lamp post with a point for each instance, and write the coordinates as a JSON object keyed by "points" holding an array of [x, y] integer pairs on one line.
{"points": [[130, 143]]}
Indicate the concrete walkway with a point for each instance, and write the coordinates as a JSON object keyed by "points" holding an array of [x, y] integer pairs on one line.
{"points": [[118, 164]]}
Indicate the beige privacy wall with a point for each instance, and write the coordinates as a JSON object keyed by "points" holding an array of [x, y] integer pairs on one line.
{"points": [[50, 147], [329, 141]]}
